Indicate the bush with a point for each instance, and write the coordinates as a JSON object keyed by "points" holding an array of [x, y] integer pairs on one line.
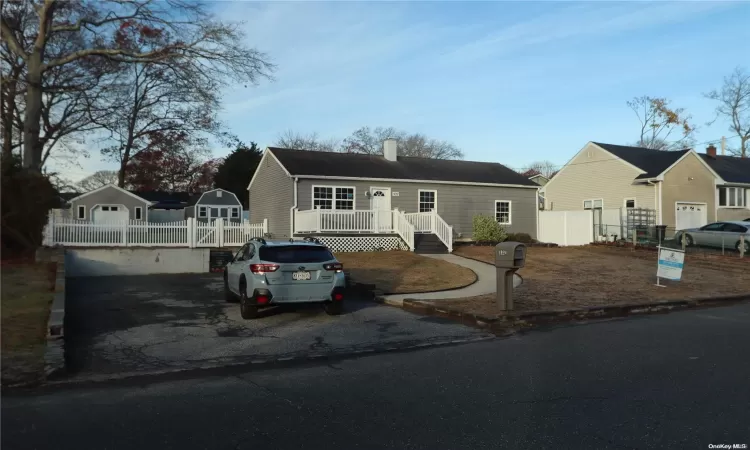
{"points": [[486, 229], [26, 199], [524, 238]]}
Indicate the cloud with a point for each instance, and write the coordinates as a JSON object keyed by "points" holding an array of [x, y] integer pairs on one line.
{"points": [[585, 20]]}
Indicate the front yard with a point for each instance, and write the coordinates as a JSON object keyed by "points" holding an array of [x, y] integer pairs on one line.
{"points": [[401, 272], [27, 292], [575, 277]]}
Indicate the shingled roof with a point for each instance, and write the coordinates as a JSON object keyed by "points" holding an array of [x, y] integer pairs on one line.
{"points": [[653, 162], [355, 165], [732, 169]]}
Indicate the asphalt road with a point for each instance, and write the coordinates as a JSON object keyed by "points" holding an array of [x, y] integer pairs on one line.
{"points": [[677, 381]]}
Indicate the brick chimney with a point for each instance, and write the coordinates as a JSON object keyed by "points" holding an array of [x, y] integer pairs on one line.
{"points": [[711, 151]]}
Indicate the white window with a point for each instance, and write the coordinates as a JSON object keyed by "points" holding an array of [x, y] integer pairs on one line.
{"points": [[427, 200], [332, 197], [138, 213], [629, 203], [733, 197], [235, 213], [81, 212], [502, 212], [596, 203], [202, 212]]}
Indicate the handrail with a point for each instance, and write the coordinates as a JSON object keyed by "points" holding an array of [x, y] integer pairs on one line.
{"points": [[404, 229], [442, 230]]}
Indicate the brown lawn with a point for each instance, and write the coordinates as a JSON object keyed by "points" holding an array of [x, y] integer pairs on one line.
{"points": [[27, 291], [573, 277], [400, 272]]}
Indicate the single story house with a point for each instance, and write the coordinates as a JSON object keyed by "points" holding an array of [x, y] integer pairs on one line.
{"points": [[360, 198], [111, 203], [214, 204], [682, 188]]}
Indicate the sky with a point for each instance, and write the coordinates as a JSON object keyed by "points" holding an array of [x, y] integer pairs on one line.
{"points": [[508, 82]]}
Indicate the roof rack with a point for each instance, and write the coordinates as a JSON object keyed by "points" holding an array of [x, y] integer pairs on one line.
{"points": [[259, 239]]}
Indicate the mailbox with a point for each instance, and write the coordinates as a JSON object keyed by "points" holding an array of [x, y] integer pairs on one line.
{"points": [[509, 257]]}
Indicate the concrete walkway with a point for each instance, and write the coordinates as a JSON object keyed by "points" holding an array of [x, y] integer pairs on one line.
{"points": [[485, 283]]}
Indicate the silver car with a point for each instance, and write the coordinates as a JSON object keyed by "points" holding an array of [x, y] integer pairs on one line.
{"points": [[267, 273], [718, 234]]}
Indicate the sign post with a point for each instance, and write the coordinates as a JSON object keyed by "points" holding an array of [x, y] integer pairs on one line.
{"points": [[670, 265]]}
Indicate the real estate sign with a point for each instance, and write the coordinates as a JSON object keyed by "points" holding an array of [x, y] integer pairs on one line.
{"points": [[670, 264]]}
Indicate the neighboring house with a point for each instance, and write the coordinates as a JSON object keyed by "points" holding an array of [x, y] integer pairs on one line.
{"points": [[165, 206], [214, 204], [324, 193], [684, 189], [109, 204], [539, 179]]}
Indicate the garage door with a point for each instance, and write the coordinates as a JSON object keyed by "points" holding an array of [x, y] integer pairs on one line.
{"points": [[690, 215], [110, 214]]}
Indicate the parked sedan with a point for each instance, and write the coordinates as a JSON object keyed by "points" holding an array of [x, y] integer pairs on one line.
{"points": [[718, 234]]}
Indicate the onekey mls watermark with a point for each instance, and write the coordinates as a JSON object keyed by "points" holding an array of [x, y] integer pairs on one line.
{"points": [[728, 446]]}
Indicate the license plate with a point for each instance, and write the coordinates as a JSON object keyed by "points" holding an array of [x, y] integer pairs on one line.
{"points": [[301, 276]]}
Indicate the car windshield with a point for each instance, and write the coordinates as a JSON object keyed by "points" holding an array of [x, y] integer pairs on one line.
{"points": [[295, 254]]}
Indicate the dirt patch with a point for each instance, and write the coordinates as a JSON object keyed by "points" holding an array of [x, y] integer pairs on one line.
{"points": [[27, 292], [560, 278], [399, 272]]}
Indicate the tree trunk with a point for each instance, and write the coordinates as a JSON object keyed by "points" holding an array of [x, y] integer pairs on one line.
{"points": [[7, 119], [121, 173], [32, 149]]}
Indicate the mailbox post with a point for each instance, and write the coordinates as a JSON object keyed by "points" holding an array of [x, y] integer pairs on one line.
{"points": [[509, 257]]}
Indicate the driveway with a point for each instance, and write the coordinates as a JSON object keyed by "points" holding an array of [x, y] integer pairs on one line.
{"points": [[156, 323]]}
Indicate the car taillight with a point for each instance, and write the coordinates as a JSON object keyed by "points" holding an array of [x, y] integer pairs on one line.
{"points": [[261, 299], [338, 296], [338, 267], [263, 268]]}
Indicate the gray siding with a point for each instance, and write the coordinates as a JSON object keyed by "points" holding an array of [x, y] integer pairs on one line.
{"points": [[212, 198], [271, 196], [109, 196], [456, 204]]}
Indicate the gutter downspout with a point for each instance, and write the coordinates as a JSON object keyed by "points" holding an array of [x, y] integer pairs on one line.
{"points": [[292, 209]]}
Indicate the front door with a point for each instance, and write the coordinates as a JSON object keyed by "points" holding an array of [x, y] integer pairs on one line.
{"points": [[380, 204]]}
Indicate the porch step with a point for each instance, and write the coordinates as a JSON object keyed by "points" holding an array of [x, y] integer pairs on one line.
{"points": [[428, 243]]}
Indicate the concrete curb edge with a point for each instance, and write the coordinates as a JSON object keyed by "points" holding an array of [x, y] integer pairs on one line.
{"points": [[54, 353]]}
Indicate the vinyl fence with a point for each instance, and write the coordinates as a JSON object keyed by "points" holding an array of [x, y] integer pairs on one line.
{"points": [[185, 233], [566, 227]]}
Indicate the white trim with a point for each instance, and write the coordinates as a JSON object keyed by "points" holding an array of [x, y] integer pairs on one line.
{"points": [[266, 152], [419, 191], [399, 180], [78, 210], [737, 190], [660, 177], [109, 186], [232, 209], [333, 198], [592, 200], [588, 147], [625, 202], [135, 213], [218, 189], [198, 209], [510, 211], [537, 176]]}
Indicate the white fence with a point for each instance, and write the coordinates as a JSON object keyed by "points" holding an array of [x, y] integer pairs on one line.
{"points": [[132, 233], [566, 227], [374, 221]]}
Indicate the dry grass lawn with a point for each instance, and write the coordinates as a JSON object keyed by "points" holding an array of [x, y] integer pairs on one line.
{"points": [[27, 291], [574, 277], [400, 272]]}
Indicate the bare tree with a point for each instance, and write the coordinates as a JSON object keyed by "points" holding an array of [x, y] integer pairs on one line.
{"points": [[97, 180], [212, 48], [544, 168], [311, 141], [370, 141], [734, 105], [662, 127]]}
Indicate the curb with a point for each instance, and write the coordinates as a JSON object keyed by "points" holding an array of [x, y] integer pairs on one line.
{"points": [[54, 353], [509, 323]]}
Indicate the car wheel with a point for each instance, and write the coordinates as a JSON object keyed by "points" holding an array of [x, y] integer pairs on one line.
{"points": [[747, 246], [247, 311], [333, 308], [228, 295], [688, 240]]}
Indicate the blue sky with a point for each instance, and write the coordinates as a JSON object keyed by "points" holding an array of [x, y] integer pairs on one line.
{"points": [[510, 82]]}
